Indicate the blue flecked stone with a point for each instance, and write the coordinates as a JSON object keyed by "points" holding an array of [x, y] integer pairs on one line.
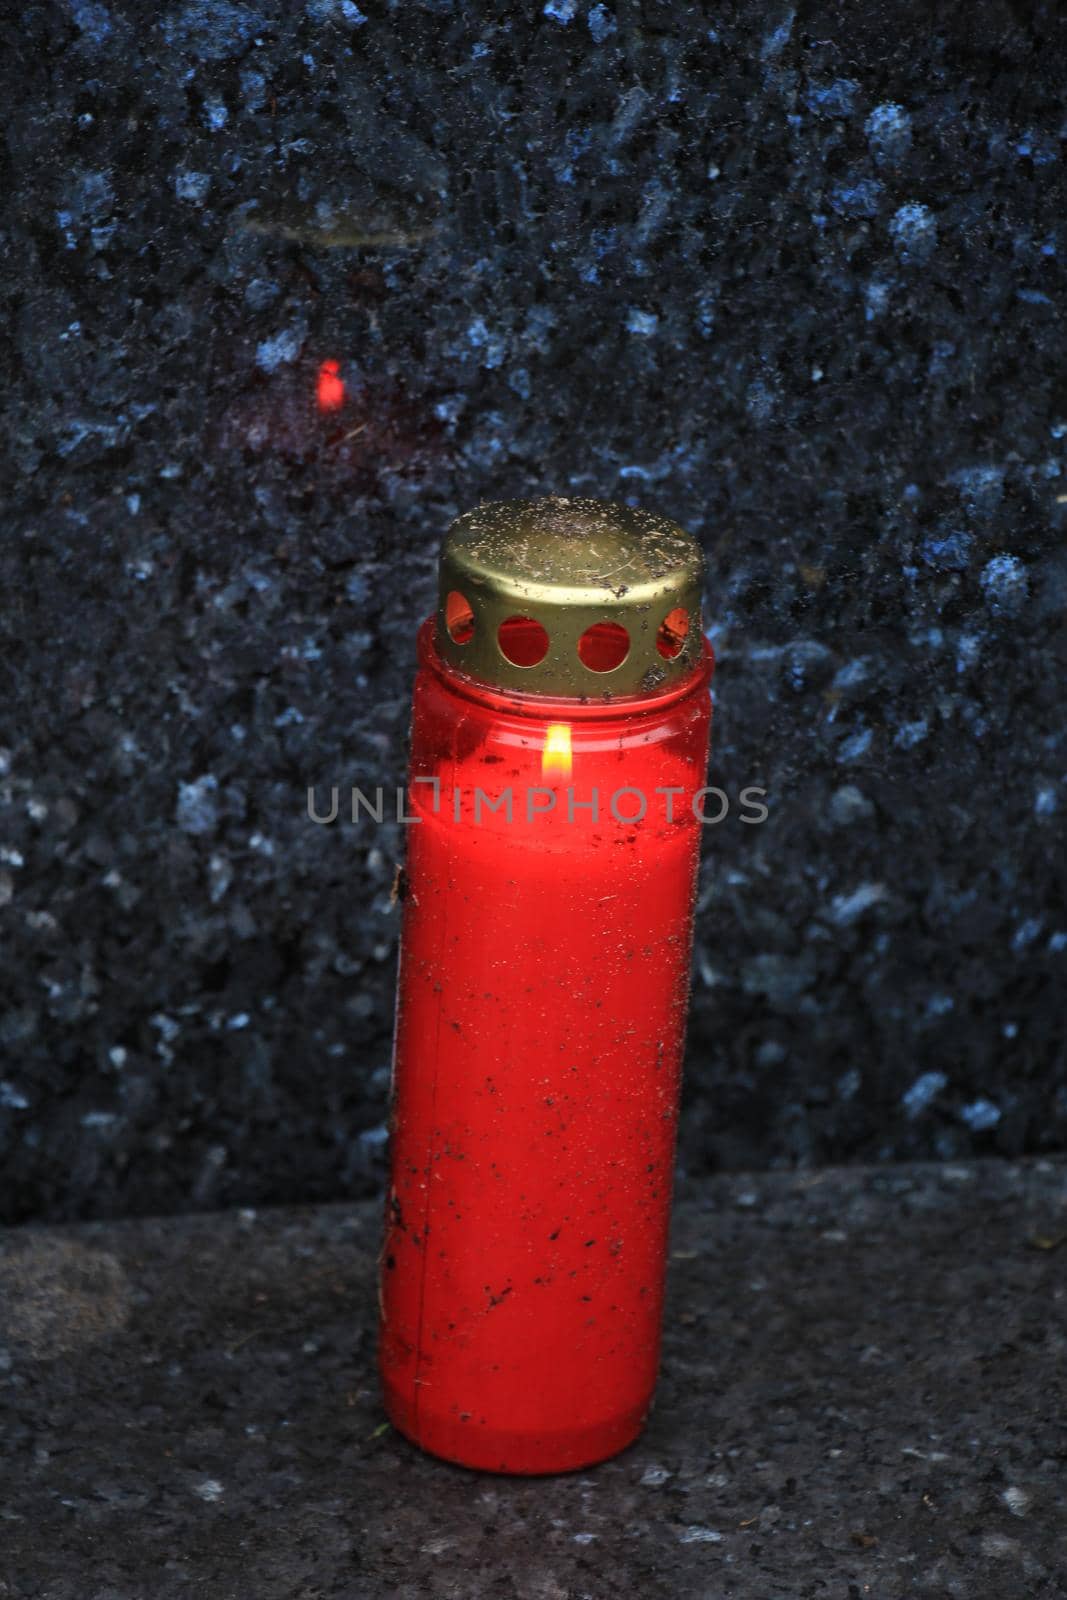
{"points": [[212, 30], [948, 551], [194, 186], [859, 198], [888, 130], [92, 19], [923, 1092], [601, 23], [279, 350], [797, 292], [1005, 584], [913, 230], [836, 99], [980, 1115]]}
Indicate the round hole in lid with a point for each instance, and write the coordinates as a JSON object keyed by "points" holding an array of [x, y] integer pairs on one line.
{"points": [[670, 640], [459, 618], [604, 646], [523, 641]]}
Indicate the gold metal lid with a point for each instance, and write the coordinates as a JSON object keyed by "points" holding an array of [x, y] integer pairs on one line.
{"points": [[563, 597]]}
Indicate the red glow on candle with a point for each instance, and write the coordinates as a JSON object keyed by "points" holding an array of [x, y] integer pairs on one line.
{"points": [[330, 389]]}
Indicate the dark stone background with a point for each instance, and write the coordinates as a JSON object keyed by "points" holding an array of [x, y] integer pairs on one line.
{"points": [[789, 275]]}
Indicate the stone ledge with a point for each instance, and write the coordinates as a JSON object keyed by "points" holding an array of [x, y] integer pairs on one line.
{"points": [[862, 1395]]}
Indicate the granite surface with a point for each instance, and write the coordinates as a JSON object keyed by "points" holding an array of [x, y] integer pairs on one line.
{"points": [[789, 274], [862, 1394]]}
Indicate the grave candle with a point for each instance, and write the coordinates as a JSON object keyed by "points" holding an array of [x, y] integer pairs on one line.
{"points": [[560, 733]]}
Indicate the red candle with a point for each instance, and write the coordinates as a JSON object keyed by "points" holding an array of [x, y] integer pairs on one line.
{"points": [[544, 976]]}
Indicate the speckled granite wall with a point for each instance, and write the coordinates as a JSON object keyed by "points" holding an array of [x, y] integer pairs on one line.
{"points": [[789, 275]]}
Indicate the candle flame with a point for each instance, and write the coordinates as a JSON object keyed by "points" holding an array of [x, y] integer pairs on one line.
{"points": [[556, 757]]}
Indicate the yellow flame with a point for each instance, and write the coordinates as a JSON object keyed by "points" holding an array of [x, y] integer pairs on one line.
{"points": [[556, 756]]}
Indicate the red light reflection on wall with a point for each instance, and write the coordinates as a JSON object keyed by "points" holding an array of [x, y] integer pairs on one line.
{"points": [[330, 387]]}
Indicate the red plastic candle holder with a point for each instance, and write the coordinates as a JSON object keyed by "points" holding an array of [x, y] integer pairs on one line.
{"points": [[560, 734]]}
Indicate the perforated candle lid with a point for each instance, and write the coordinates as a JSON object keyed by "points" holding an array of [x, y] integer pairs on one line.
{"points": [[564, 597]]}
